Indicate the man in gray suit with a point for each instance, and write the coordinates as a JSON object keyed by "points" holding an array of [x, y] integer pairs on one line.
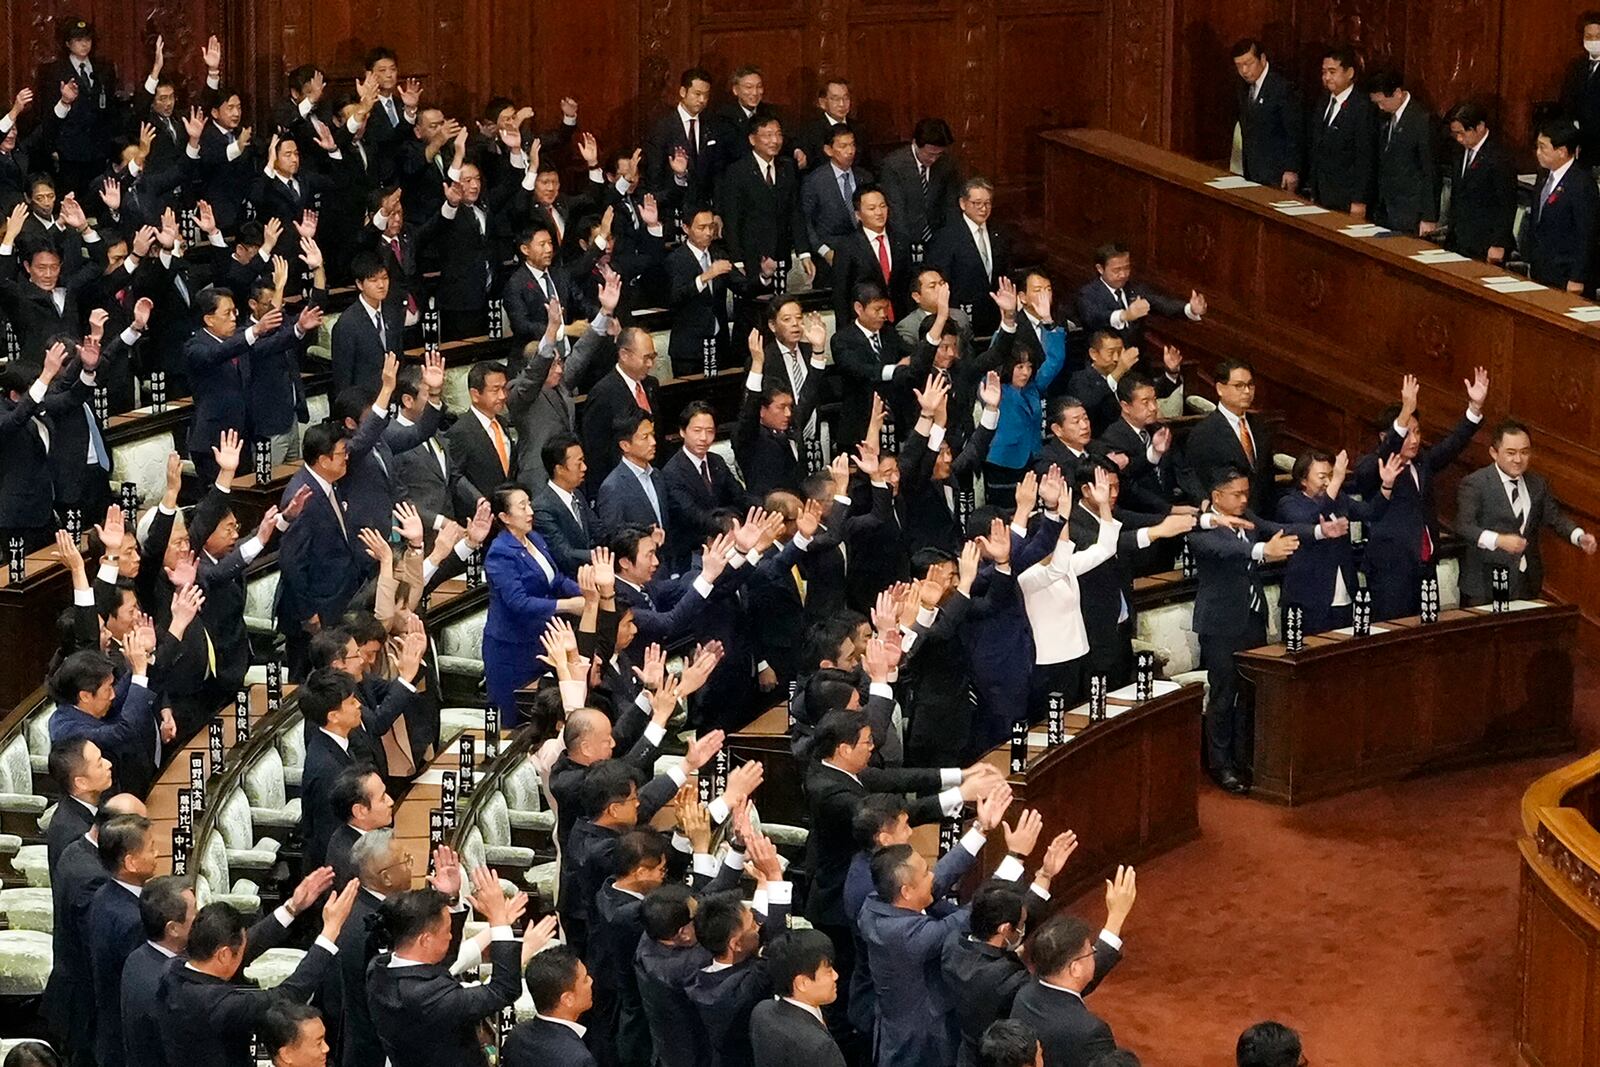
{"points": [[540, 399], [827, 193], [1499, 512], [424, 471], [919, 181]]}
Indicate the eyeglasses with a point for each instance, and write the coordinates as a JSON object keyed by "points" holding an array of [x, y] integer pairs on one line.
{"points": [[405, 861]]}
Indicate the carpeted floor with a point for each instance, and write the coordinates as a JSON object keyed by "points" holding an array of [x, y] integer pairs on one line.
{"points": [[1380, 924]]}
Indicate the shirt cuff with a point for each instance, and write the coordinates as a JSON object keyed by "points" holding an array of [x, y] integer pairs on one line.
{"points": [[234, 151], [888, 373], [950, 802], [192, 152], [719, 812], [62, 110], [1010, 870], [1475, 416], [251, 548], [780, 892], [1577, 535], [702, 586], [949, 777], [1317, 534], [306, 104], [141, 680], [974, 839], [1008, 327], [881, 689], [447, 209], [573, 693], [801, 541], [83, 598], [654, 732], [281, 913], [1258, 551], [1117, 321], [329, 947], [5, 124], [935, 438], [250, 335], [130, 336], [214, 81], [678, 776], [453, 173], [681, 843], [501, 933], [752, 381], [107, 573], [1111, 939], [1143, 537], [991, 419], [704, 863], [410, 687], [1189, 313]]}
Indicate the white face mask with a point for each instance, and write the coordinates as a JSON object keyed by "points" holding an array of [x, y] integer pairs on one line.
{"points": [[1593, 48]]}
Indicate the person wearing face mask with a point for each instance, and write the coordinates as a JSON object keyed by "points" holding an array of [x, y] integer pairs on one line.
{"points": [[1580, 89]]}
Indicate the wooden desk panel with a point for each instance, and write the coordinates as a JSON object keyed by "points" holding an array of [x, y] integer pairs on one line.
{"points": [[1331, 322], [1347, 713]]}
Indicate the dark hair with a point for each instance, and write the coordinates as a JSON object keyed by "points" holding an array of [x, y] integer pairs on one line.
{"points": [[323, 691], [933, 132], [367, 265], [626, 424], [1469, 114], [694, 74], [1056, 944], [549, 974], [762, 117], [994, 905], [836, 131], [836, 728], [925, 559], [1226, 368], [363, 627], [326, 646], [216, 926], [1109, 251], [822, 641], [690, 410], [608, 782], [1302, 465], [494, 105], [319, 440], [1244, 46], [406, 916], [1060, 405], [776, 305], [718, 919], [796, 953], [878, 812], [1223, 475], [625, 542], [380, 53], [822, 90], [350, 789], [1342, 54], [300, 76], [666, 910], [1008, 1043], [161, 902], [772, 392], [81, 672], [209, 299], [1268, 1044], [352, 402], [862, 190], [744, 71], [1131, 383], [527, 233], [500, 497], [250, 235], [1507, 426], [1563, 133], [888, 870], [866, 292], [638, 848], [827, 691], [67, 761], [478, 374], [972, 185], [280, 1024], [1385, 82], [554, 452]]}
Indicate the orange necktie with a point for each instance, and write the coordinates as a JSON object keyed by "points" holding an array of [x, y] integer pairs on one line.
{"points": [[500, 445], [1247, 441]]}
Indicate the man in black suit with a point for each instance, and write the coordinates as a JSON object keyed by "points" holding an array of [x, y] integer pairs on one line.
{"points": [[1580, 89], [1068, 964], [1483, 189], [1558, 233], [630, 388], [827, 196], [422, 474], [698, 482], [370, 488], [872, 360], [1408, 180], [26, 493], [733, 932], [982, 971], [1230, 437], [127, 845], [292, 1034], [1402, 545], [1113, 302], [226, 169], [360, 797], [767, 442], [1109, 360], [562, 992], [1271, 123], [872, 252], [533, 285], [205, 1014], [393, 113], [749, 90], [683, 147], [45, 303], [82, 771], [86, 131], [1230, 612], [1142, 447], [1344, 137], [793, 355], [920, 181], [561, 515], [833, 105], [972, 255], [482, 453], [789, 1030], [698, 281], [368, 329], [462, 235], [218, 359], [758, 199], [1501, 511]]}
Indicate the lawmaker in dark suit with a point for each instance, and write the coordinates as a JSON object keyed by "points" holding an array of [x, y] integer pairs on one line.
{"points": [[635, 493], [1483, 189], [371, 486], [766, 441], [1320, 578], [1558, 233], [1271, 123], [540, 398], [869, 355], [89, 705], [1110, 302], [827, 195], [31, 305], [920, 181], [872, 251], [537, 280], [227, 167], [320, 560], [83, 773], [972, 255], [833, 109], [561, 515], [85, 135], [368, 329], [482, 454], [758, 198], [1069, 963], [526, 589], [1344, 124], [562, 992], [1580, 90], [1150, 480], [1408, 179], [683, 147], [1403, 544], [1230, 612], [127, 845], [789, 1031], [698, 482], [463, 235], [1501, 511], [699, 279], [1231, 437], [628, 389]]}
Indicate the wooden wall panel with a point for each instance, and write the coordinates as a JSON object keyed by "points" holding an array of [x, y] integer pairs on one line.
{"points": [[892, 81], [779, 50], [1036, 51], [1204, 82]]}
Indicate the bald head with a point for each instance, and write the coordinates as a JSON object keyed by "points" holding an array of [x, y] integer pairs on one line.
{"points": [[588, 736], [636, 352], [123, 804]]}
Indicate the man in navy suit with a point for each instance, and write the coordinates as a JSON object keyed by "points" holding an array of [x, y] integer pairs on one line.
{"points": [[1483, 188], [368, 329], [664, 610], [1402, 545], [562, 992], [698, 482], [482, 452], [1558, 233], [88, 704], [539, 280], [972, 255], [561, 515], [1230, 611], [1343, 172], [1110, 302], [320, 560], [1408, 180], [221, 154], [83, 774], [827, 195], [681, 150], [217, 360], [635, 493], [127, 846], [1270, 120]]}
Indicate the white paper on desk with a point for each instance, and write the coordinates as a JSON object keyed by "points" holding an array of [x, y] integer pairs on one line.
{"points": [[1303, 209], [1233, 181], [1521, 285], [1515, 605], [1350, 631], [1440, 256], [1131, 692], [1501, 279], [1586, 313], [1288, 203], [1362, 229]]}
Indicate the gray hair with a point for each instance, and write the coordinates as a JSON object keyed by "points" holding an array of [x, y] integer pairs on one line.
{"points": [[370, 854]]}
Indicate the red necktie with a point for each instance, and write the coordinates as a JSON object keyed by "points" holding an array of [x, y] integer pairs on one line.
{"points": [[399, 261], [640, 399], [883, 255]]}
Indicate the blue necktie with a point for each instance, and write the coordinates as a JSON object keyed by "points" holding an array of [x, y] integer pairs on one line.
{"points": [[650, 491], [847, 187], [96, 440]]}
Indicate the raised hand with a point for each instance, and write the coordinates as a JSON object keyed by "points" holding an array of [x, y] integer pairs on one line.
{"points": [[701, 749], [1333, 528], [111, 194], [1477, 389], [1022, 838], [69, 92], [989, 391], [589, 150], [1057, 852], [1005, 297], [1389, 469], [992, 807], [932, 395], [409, 522], [194, 124], [377, 548], [310, 890], [297, 503], [227, 450], [72, 215], [653, 672], [1280, 546], [71, 558], [211, 53], [478, 527]]}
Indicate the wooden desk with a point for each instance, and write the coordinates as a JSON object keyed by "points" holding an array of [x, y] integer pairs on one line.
{"points": [[28, 613], [782, 796], [1558, 924], [1127, 786], [411, 813], [1331, 322], [1346, 713]]}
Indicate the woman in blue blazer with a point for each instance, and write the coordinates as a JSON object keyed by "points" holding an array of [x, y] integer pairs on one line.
{"points": [[526, 589]]}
